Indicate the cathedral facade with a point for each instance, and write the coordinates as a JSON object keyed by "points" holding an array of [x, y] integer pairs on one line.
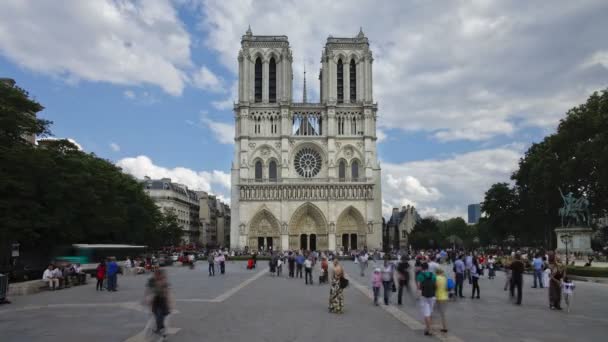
{"points": [[305, 175]]}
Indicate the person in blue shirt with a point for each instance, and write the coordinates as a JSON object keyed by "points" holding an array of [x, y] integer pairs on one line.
{"points": [[537, 265], [299, 264], [112, 274], [459, 269]]}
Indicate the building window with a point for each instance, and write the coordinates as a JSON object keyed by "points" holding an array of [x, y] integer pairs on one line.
{"points": [[272, 171], [258, 80], [342, 170], [258, 171], [340, 77], [354, 170], [403, 234], [272, 81], [353, 81]]}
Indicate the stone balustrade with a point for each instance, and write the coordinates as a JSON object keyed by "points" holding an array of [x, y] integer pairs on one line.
{"points": [[280, 192]]}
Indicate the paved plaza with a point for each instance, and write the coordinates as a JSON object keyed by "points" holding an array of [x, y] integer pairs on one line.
{"points": [[248, 305]]}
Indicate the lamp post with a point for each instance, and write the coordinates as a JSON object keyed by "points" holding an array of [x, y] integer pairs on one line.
{"points": [[566, 239]]}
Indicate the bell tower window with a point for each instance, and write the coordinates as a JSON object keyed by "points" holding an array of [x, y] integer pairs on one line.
{"points": [[272, 81], [258, 80], [340, 77], [353, 81]]}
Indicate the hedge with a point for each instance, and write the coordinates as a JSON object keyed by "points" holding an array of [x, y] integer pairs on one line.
{"points": [[588, 271]]}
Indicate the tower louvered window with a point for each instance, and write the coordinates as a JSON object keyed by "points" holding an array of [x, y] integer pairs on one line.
{"points": [[258, 80], [272, 81], [353, 81], [340, 79]]}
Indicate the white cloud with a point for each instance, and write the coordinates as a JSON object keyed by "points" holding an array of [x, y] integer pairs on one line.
{"points": [[120, 42], [381, 135], [210, 181], [129, 94], [228, 102], [457, 70], [115, 147], [205, 79], [224, 133], [444, 187]]}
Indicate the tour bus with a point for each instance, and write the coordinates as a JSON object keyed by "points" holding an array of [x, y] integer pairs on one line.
{"points": [[89, 255]]}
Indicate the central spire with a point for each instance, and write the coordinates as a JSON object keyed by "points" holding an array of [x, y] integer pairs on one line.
{"points": [[304, 88]]}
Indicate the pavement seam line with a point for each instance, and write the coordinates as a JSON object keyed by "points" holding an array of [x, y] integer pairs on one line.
{"points": [[401, 316], [237, 288]]}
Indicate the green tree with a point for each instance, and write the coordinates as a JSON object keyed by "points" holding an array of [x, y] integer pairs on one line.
{"points": [[501, 208], [426, 234]]}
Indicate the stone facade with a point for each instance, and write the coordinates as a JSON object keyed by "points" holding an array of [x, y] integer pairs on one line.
{"points": [[399, 226], [176, 198], [305, 175], [214, 216]]}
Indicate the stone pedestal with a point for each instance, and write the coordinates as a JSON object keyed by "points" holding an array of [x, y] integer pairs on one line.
{"points": [[580, 242]]}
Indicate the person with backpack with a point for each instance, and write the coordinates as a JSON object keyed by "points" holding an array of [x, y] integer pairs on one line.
{"points": [[426, 282]]}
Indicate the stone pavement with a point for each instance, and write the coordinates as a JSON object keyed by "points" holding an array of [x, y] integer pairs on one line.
{"points": [[248, 305]]}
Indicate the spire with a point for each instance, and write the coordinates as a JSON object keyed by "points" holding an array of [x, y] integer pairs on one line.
{"points": [[304, 89], [360, 35], [249, 31]]}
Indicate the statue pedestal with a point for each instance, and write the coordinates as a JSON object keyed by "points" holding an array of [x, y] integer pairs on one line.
{"points": [[581, 239]]}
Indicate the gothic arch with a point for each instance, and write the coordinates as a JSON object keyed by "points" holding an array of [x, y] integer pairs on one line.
{"points": [[350, 229], [307, 221], [264, 225], [273, 53], [354, 152], [265, 153]]}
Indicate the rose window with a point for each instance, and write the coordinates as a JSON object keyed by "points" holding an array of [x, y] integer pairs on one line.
{"points": [[308, 162]]}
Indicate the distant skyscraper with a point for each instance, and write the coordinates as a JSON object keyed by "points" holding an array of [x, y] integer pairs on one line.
{"points": [[474, 213]]}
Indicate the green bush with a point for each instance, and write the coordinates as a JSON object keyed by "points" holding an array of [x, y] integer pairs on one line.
{"points": [[588, 271]]}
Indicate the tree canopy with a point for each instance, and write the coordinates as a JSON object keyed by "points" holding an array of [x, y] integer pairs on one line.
{"points": [[57, 194]]}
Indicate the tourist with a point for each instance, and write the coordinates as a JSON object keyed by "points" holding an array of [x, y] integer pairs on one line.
{"points": [[81, 277], [100, 275], [555, 282], [537, 266], [441, 295], [475, 274], [517, 277], [112, 270], [308, 270], [222, 262], [49, 277], [299, 264], [468, 263], [158, 299], [568, 290], [336, 291], [376, 284], [291, 261], [324, 277], [211, 261], [433, 265], [426, 282], [403, 276], [58, 274], [491, 269], [387, 280], [279, 266], [507, 268], [363, 263], [459, 271]]}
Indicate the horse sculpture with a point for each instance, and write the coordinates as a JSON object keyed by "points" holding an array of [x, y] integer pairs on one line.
{"points": [[575, 211]]}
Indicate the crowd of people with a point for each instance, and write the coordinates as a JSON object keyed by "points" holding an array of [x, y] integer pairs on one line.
{"points": [[63, 275]]}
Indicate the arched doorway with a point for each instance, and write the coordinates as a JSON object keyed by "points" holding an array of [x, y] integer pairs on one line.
{"points": [[304, 242], [264, 231], [351, 227], [308, 222]]}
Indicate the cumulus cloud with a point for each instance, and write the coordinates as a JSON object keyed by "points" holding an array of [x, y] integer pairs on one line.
{"points": [[210, 181], [444, 187], [457, 70], [205, 79], [223, 132], [115, 147], [120, 42]]}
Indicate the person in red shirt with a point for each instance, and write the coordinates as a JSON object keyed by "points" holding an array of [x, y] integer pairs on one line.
{"points": [[101, 274]]}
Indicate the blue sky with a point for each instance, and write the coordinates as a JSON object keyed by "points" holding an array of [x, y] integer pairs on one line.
{"points": [[463, 87]]}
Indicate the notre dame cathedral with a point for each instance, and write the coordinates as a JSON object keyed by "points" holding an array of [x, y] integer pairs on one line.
{"points": [[305, 175]]}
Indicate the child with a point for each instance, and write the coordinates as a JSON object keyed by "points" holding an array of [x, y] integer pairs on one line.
{"points": [[568, 289], [376, 284], [451, 287]]}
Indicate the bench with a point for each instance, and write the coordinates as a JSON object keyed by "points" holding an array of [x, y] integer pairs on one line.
{"points": [[27, 287]]}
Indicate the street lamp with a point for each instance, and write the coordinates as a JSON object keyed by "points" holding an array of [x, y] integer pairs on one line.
{"points": [[566, 239]]}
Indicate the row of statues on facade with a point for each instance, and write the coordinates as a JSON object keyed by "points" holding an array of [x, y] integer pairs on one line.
{"points": [[306, 192]]}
